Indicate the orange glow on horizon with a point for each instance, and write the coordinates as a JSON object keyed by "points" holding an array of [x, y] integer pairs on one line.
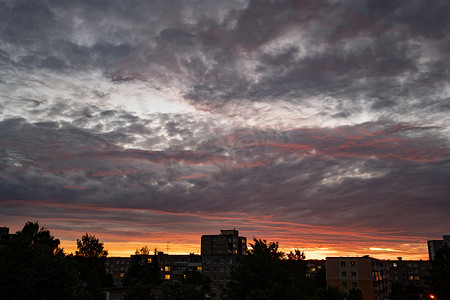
{"points": [[125, 249]]}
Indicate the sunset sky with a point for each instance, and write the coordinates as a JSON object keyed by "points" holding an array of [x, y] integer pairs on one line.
{"points": [[323, 125]]}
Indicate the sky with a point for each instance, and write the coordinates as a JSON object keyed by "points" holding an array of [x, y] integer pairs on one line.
{"points": [[323, 125]]}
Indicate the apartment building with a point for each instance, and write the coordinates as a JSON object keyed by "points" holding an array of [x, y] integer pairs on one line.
{"points": [[117, 267], [368, 274], [219, 254]]}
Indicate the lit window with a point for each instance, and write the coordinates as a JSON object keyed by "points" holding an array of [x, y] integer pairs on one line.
{"points": [[411, 277], [394, 265], [149, 260], [313, 269], [167, 277], [166, 268], [199, 268], [416, 278], [308, 275], [122, 275]]}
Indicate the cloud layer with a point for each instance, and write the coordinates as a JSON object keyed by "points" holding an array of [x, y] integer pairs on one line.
{"points": [[315, 123]]}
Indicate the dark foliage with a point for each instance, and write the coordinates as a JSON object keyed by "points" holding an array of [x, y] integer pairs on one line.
{"points": [[266, 273], [90, 259], [33, 266], [183, 291], [144, 273], [355, 294], [90, 247]]}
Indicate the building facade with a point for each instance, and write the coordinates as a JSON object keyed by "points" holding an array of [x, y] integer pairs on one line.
{"points": [[219, 254], [410, 276], [228, 242], [435, 245], [368, 274], [117, 267]]}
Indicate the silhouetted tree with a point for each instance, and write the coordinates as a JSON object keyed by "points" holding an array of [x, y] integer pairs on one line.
{"points": [[195, 278], [396, 291], [90, 258], [266, 273], [142, 276], [329, 293], [354, 294], [182, 291], [33, 266], [440, 274], [90, 247]]}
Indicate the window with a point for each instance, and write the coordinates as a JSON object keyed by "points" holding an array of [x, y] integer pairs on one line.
{"points": [[352, 263], [122, 275], [167, 268], [167, 276], [344, 274], [354, 285], [416, 278], [411, 277], [394, 265], [353, 274], [149, 260], [342, 263], [344, 284]]}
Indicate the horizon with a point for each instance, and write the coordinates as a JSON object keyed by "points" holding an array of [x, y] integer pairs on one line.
{"points": [[128, 248]]}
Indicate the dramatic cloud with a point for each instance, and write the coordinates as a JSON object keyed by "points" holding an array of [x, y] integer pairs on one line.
{"points": [[320, 124]]}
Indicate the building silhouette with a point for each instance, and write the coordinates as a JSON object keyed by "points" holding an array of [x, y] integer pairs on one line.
{"points": [[219, 254], [435, 245]]}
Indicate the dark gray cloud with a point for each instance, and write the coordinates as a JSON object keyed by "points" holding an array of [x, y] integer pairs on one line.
{"points": [[334, 113]]}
